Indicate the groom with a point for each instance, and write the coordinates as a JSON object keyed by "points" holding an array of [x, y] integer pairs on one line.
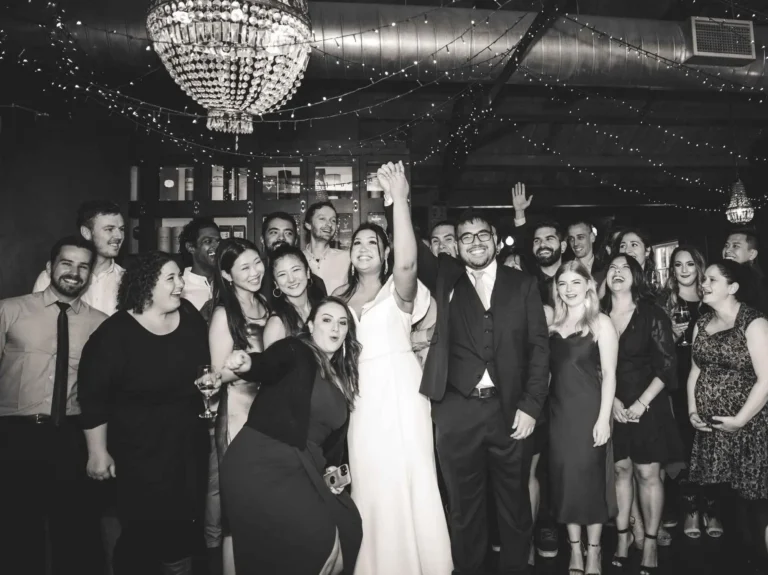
{"points": [[487, 375]]}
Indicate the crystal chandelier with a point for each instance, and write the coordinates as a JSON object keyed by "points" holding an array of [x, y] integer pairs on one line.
{"points": [[740, 210], [236, 59]]}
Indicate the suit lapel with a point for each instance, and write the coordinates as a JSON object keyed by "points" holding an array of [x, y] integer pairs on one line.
{"points": [[504, 304]]}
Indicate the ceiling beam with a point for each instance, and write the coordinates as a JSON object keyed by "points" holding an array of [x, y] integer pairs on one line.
{"points": [[461, 145]]}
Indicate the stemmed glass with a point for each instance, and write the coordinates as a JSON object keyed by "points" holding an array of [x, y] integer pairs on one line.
{"points": [[207, 382], [681, 315]]}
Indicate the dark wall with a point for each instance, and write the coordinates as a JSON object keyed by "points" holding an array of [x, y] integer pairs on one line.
{"points": [[48, 166]]}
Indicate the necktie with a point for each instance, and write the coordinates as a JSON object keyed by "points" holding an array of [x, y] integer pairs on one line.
{"points": [[60, 380], [480, 288]]}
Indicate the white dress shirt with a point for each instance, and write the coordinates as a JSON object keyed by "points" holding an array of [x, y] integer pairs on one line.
{"points": [[102, 288], [488, 279], [332, 268], [197, 288]]}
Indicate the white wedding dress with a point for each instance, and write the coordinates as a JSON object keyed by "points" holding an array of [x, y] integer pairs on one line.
{"points": [[391, 450]]}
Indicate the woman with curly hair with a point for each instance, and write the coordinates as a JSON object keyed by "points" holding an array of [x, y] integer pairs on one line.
{"points": [[285, 518], [140, 412]]}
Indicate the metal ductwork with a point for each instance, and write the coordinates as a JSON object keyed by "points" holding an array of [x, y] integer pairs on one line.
{"points": [[568, 51]]}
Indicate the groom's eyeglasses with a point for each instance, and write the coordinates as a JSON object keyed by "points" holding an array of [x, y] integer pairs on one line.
{"points": [[469, 237]]}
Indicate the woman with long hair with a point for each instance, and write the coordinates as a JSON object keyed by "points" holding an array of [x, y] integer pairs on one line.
{"points": [[140, 413], [637, 243], [292, 296], [727, 395], [284, 517], [391, 446], [645, 435], [681, 297], [237, 322], [583, 347]]}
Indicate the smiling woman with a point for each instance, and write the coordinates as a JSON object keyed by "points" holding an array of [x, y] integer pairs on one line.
{"points": [[136, 379]]}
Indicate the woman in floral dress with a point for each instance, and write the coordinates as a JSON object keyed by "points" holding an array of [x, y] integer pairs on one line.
{"points": [[728, 390]]}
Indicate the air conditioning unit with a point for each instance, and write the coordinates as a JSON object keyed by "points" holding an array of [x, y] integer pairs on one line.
{"points": [[720, 42]]}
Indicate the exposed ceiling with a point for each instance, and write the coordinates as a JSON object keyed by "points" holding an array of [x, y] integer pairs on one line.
{"points": [[573, 146]]}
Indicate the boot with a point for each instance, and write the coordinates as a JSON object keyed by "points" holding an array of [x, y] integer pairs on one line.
{"points": [[181, 567]]}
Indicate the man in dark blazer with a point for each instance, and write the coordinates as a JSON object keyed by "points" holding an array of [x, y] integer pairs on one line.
{"points": [[487, 374]]}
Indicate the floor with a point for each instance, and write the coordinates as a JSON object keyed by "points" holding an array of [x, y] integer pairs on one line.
{"points": [[705, 556]]}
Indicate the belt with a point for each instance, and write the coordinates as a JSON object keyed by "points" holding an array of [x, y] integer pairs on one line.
{"points": [[483, 392], [37, 419]]}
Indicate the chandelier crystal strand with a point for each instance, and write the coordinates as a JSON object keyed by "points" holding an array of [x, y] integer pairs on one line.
{"points": [[739, 210], [236, 59]]}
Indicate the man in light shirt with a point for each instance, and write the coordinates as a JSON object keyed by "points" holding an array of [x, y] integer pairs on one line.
{"points": [[330, 264], [42, 447], [100, 222], [199, 241]]}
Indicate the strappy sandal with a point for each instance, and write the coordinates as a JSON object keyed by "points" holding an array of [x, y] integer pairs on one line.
{"points": [[576, 570], [599, 560], [621, 562], [644, 570]]}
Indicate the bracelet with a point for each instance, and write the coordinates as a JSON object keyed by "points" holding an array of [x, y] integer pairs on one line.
{"points": [[641, 403]]}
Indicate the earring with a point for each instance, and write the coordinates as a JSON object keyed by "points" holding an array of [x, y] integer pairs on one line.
{"points": [[386, 267], [344, 350], [352, 270], [309, 281], [278, 294]]}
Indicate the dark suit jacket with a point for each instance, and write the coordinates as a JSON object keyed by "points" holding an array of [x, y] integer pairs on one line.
{"points": [[281, 409], [520, 335]]}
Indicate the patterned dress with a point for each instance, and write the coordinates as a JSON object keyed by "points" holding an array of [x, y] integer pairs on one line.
{"points": [[739, 459]]}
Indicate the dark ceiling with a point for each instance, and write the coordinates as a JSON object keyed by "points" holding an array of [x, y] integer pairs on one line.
{"points": [[573, 146]]}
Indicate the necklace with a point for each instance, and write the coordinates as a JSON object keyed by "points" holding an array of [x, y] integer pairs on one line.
{"points": [[314, 257]]}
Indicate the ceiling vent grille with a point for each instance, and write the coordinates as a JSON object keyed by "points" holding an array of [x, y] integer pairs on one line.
{"points": [[719, 42]]}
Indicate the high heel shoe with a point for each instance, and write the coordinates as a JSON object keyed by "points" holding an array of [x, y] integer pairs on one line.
{"points": [[576, 570], [645, 570], [621, 562], [599, 561]]}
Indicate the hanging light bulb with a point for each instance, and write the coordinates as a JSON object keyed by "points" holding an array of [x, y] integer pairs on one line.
{"points": [[739, 210]]}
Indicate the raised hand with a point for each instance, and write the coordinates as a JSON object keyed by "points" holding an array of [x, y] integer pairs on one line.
{"points": [[392, 179], [519, 201]]}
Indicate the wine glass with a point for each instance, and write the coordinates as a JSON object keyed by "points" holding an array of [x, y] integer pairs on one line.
{"points": [[206, 382], [681, 315]]}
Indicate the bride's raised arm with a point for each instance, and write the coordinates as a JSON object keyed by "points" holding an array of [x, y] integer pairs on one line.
{"points": [[392, 179]]}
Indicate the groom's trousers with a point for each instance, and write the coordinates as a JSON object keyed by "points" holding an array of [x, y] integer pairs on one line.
{"points": [[476, 453]]}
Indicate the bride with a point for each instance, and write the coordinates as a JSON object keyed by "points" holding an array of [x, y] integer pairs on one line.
{"points": [[391, 452]]}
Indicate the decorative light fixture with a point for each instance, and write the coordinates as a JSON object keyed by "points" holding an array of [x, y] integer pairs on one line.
{"points": [[740, 210], [236, 59]]}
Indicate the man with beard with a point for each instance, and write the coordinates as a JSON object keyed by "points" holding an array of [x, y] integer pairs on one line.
{"points": [[546, 245], [42, 446], [279, 229], [100, 222], [199, 241], [486, 373], [742, 247], [331, 264]]}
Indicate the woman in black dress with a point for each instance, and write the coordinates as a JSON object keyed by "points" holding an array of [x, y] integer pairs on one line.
{"points": [[645, 435], [583, 348], [284, 518], [140, 411], [727, 393], [683, 292]]}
